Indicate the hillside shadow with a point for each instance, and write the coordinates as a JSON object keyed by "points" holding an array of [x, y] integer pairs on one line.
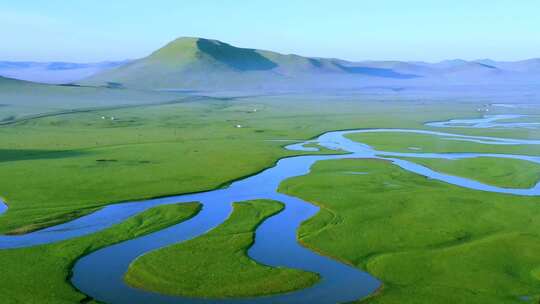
{"points": [[376, 72], [8, 155], [237, 58]]}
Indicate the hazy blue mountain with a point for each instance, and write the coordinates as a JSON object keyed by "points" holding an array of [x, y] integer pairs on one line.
{"points": [[54, 72], [530, 65]]}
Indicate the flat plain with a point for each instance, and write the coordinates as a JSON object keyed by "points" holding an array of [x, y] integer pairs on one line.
{"points": [[427, 241]]}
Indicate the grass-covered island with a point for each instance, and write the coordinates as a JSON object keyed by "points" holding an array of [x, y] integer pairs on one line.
{"points": [[216, 264]]}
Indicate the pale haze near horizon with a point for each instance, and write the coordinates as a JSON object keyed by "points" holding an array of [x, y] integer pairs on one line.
{"points": [[87, 31]]}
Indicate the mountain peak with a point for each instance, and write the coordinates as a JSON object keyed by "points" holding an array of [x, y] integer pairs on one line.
{"points": [[180, 46], [183, 43], [452, 63], [190, 41], [193, 50]]}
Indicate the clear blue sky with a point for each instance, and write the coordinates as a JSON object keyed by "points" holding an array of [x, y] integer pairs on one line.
{"points": [[85, 30]]}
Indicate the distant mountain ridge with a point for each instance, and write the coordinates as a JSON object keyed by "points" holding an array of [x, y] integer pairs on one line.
{"points": [[204, 64], [56, 72], [191, 63]]}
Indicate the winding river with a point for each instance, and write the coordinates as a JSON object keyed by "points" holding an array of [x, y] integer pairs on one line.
{"points": [[100, 274], [488, 121]]}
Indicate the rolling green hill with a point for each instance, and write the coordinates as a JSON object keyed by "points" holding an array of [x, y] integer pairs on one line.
{"points": [[6, 83], [209, 65], [203, 64], [21, 100]]}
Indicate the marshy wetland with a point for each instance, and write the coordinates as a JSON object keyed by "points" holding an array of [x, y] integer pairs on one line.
{"points": [[329, 242]]}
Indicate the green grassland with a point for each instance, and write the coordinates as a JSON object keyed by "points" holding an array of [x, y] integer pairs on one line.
{"points": [[40, 274], [218, 264], [522, 133], [57, 168], [524, 119], [22, 100], [429, 242], [506, 173], [404, 142]]}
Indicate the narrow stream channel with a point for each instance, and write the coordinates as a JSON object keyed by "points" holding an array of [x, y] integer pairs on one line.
{"points": [[100, 274]]}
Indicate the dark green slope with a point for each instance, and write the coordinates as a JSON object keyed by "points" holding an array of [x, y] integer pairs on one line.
{"points": [[10, 82]]}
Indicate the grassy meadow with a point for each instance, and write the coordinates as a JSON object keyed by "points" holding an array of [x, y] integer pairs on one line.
{"points": [[149, 151], [425, 143], [501, 172], [429, 242]]}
